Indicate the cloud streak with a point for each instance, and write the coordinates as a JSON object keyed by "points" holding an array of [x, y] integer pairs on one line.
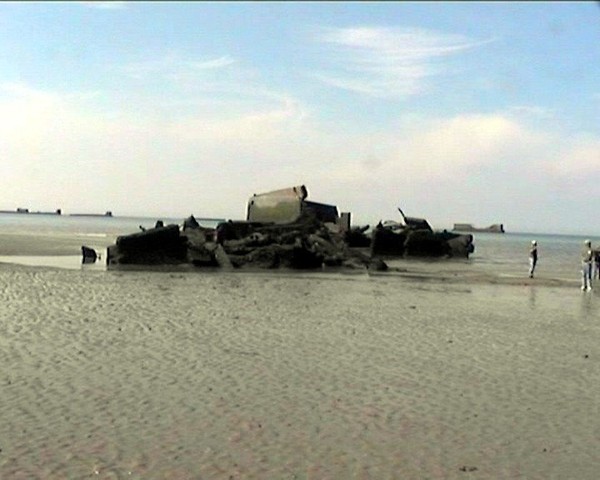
{"points": [[387, 62], [173, 66]]}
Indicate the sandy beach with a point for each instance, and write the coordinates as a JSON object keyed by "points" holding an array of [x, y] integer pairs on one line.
{"points": [[177, 375]]}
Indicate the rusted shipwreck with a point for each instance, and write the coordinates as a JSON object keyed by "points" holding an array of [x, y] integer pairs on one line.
{"points": [[282, 229], [414, 237]]}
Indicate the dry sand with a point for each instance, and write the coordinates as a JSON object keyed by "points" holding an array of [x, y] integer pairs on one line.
{"points": [[174, 375]]}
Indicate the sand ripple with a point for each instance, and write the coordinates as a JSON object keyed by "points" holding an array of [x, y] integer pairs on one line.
{"points": [[207, 376]]}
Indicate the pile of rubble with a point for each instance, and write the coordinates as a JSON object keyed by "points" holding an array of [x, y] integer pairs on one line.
{"points": [[306, 243], [285, 230]]}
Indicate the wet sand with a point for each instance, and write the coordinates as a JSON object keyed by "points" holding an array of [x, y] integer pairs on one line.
{"points": [[178, 375], [50, 244]]}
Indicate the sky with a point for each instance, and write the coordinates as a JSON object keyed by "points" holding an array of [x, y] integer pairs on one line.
{"points": [[453, 111]]}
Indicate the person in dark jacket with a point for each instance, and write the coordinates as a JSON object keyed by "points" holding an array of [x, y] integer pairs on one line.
{"points": [[533, 258]]}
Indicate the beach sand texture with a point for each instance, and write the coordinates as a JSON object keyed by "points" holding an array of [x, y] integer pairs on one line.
{"points": [[171, 375]]}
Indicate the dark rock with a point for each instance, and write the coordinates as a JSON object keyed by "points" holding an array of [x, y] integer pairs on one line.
{"points": [[300, 257], [190, 223], [235, 230], [387, 241], [423, 243], [88, 254], [306, 243], [159, 245], [377, 265], [357, 238], [267, 257]]}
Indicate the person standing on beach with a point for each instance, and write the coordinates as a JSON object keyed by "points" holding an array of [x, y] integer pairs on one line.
{"points": [[587, 256], [533, 256]]}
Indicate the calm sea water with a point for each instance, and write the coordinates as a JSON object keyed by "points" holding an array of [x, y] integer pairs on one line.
{"points": [[92, 225], [93, 231], [558, 255], [505, 254]]}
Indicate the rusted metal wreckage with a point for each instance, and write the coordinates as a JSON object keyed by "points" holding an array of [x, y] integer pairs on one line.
{"points": [[284, 229], [414, 237]]}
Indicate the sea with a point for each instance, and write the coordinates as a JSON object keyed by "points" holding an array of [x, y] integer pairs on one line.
{"points": [[94, 231], [504, 254]]}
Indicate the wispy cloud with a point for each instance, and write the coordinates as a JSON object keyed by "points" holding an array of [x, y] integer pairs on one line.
{"points": [[220, 62], [221, 88], [387, 62], [274, 117], [172, 65]]}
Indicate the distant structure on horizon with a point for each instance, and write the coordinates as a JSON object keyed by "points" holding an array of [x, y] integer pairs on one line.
{"points": [[26, 211], [106, 214], [468, 227], [58, 211]]}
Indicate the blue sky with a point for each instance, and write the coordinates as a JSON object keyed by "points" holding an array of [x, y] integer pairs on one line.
{"points": [[456, 112]]}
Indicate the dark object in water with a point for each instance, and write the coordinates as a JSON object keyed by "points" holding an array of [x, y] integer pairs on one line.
{"points": [[416, 238], [89, 255], [19, 210], [106, 214]]}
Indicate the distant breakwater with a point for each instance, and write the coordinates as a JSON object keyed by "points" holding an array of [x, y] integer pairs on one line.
{"points": [[26, 211], [58, 211]]}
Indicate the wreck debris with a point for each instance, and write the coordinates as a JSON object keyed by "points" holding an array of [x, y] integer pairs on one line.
{"points": [[154, 246], [415, 238], [190, 223], [88, 254], [356, 237], [284, 230], [306, 243], [286, 205]]}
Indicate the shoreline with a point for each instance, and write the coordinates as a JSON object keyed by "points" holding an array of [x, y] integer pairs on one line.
{"points": [[415, 271], [64, 251]]}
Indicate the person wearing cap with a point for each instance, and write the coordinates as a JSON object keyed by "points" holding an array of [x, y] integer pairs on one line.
{"points": [[533, 256], [587, 256]]}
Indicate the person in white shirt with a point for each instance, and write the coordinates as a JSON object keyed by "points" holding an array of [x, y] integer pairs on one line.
{"points": [[587, 257]]}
